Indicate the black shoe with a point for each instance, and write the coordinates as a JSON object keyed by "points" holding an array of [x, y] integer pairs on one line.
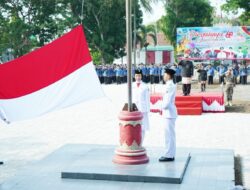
{"points": [[166, 159]]}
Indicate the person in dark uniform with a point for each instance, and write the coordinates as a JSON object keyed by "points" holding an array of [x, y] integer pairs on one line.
{"points": [[202, 77], [156, 75], [125, 74], [144, 72], [243, 74], [147, 74], [178, 74], [222, 70], [162, 74], [152, 74], [187, 72], [210, 73], [113, 74], [118, 75], [105, 75]]}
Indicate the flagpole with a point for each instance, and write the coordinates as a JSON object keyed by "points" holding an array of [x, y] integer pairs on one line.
{"points": [[127, 153], [82, 11], [129, 52], [134, 45]]}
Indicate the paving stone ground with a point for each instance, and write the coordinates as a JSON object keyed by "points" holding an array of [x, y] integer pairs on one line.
{"points": [[95, 122]]}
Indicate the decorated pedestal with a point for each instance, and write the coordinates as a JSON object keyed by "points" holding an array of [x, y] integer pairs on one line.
{"points": [[130, 150]]}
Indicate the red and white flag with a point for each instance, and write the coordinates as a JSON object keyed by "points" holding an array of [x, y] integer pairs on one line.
{"points": [[55, 76]]}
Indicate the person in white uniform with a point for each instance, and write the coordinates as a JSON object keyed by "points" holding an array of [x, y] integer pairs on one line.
{"points": [[141, 99], [169, 113]]}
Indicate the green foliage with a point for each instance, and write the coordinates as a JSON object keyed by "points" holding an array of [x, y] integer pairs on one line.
{"points": [[25, 24], [96, 56], [235, 5], [185, 13]]}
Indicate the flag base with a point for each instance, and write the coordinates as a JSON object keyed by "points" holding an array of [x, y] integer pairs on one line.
{"points": [[130, 150], [130, 158]]}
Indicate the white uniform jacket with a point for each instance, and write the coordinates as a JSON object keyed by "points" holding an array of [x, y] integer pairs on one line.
{"points": [[142, 100], [141, 97], [168, 103]]}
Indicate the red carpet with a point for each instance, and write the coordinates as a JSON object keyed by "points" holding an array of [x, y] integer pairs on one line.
{"points": [[189, 105]]}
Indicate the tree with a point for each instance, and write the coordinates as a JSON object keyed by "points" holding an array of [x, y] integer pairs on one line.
{"points": [[144, 32], [25, 24], [235, 5], [185, 13]]}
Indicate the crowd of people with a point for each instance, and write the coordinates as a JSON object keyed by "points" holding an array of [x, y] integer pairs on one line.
{"points": [[153, 74]]}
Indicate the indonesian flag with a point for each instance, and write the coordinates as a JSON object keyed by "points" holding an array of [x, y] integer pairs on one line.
{"points": [[55, 76]]}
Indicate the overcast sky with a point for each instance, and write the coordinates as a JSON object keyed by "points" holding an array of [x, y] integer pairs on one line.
{"points": [[159, 10]]}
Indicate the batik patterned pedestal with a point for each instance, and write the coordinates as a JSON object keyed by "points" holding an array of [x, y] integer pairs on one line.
{"points": [[130, 150]]}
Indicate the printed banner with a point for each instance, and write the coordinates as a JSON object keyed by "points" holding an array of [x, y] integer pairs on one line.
{"points": [[214, 42]]}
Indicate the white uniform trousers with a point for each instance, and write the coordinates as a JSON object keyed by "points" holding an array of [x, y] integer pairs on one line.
{"points": [[170, 139]]}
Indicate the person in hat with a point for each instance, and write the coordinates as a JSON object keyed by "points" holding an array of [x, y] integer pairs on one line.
{"points": [[187, 72], [141, 99], [169, 114]]}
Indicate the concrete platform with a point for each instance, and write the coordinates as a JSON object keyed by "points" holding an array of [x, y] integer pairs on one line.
{"points": [[97, 164], [209, 169]]}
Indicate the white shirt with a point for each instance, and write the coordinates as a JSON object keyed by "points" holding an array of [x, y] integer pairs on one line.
{"points": [[141, 97], [168, 103]]}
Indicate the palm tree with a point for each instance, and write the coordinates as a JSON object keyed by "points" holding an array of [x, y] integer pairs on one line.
{"points": [[144, 31]]}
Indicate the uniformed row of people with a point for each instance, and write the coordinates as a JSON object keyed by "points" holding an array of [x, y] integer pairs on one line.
{"points": [[153, 74], [238, 71]]}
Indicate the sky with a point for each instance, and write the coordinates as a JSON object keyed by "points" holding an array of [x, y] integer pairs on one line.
{"points": [[159, 10]]}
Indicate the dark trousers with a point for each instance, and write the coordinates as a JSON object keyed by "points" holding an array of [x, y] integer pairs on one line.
{"points": [[105, 80], [101, 79], [152, 79], [125, 79], [118, 80], [210, 79], [156, 79], [113, 79], [243, 79], [221, 79], [203, 87], [186, 88]]}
